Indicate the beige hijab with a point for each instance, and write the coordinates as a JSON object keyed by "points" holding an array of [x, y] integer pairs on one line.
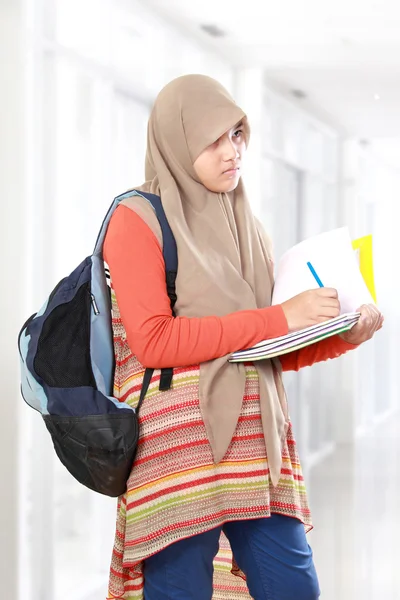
{"points": [[223, 258]]}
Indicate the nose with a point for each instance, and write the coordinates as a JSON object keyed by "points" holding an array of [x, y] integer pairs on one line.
{"points": [[229, 151]]}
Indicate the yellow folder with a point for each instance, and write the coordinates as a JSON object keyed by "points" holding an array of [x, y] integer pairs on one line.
{"points": [[363, 248]]}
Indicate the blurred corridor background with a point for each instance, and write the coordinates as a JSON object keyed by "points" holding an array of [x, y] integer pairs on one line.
{"points": [[320, 81]]}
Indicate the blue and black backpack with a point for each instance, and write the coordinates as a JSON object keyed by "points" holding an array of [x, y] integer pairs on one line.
{"points": [[67, 368]]}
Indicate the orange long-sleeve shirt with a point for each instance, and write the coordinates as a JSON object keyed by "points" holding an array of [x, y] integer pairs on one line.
{"points": [[158, 339]]}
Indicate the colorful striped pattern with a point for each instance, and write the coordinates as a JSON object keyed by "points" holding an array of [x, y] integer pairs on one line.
{"points": [[175, 490]]}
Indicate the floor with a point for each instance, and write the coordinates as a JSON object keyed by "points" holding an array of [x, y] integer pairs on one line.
{"points": [[355, 501]]}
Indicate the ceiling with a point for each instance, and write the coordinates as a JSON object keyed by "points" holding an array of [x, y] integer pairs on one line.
{"points": [[344, 55]]}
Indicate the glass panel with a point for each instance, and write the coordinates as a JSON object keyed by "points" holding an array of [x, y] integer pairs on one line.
{"points": [[381, 354], [292, 126], [267, 201], [83, 173], [312, 213], [313, 150], [330, 167], [318, 206], [285, 202], [330, 200], [366, 384], [130, 142], [313, 393], [272, 125], [322, 400]]}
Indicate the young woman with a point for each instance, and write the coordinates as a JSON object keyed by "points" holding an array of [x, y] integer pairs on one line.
{"points": [[216, 505]]}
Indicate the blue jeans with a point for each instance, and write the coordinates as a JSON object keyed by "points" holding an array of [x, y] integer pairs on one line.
{"points": [[272, 552]]}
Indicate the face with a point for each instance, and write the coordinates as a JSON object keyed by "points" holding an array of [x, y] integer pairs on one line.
{"points": [[219, 166]]}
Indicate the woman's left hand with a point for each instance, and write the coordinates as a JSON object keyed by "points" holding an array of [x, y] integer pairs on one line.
{"points": [[370, 321]]}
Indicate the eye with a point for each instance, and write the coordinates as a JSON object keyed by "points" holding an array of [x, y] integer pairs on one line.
{"points": [[238, 133]]}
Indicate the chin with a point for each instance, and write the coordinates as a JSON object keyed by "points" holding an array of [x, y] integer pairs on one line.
{"points": [[233, 186], [229, 186]]}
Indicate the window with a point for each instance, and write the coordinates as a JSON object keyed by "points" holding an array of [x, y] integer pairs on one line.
{"points": [[130, 130]]}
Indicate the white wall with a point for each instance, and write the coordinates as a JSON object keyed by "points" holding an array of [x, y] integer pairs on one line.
{"points": [[12, 251]]}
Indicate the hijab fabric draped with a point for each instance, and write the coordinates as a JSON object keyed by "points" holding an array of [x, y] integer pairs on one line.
{"points": [[223, 258]]}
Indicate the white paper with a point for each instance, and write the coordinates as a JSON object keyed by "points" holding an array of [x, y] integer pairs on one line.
{"points": [[333, 258]]}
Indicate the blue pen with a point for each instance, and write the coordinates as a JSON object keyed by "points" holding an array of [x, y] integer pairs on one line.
{"points": [[314, 273]]}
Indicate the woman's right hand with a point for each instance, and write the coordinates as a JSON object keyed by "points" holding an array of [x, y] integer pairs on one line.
{"points": [[311, 307]]}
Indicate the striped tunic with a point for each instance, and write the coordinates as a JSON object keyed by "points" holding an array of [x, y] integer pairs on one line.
{"points": [[175, 490]]}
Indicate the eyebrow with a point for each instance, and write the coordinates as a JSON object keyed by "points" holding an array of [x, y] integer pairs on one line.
{"points": [[240, 124]]}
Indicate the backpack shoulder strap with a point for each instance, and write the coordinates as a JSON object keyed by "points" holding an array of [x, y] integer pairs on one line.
{"points": [[170, 254]]}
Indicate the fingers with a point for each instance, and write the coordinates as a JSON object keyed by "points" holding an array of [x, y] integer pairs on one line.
{"points": [[323, 319], [330, 303], [329, 312], [326, 302], [372, 315], [327, 292], [329, 307], [371, 318]]}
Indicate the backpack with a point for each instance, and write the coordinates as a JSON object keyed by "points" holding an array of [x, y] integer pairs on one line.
{"points": [[67, 368]]}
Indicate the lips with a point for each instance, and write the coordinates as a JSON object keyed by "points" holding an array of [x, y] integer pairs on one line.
{"points": [[231, 171]]}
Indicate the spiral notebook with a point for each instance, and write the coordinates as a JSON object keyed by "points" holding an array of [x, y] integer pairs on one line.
{"points": [[296, 340]]}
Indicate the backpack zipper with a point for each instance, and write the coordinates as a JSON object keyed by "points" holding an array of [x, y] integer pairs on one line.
{"points": [[94, 304]]}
